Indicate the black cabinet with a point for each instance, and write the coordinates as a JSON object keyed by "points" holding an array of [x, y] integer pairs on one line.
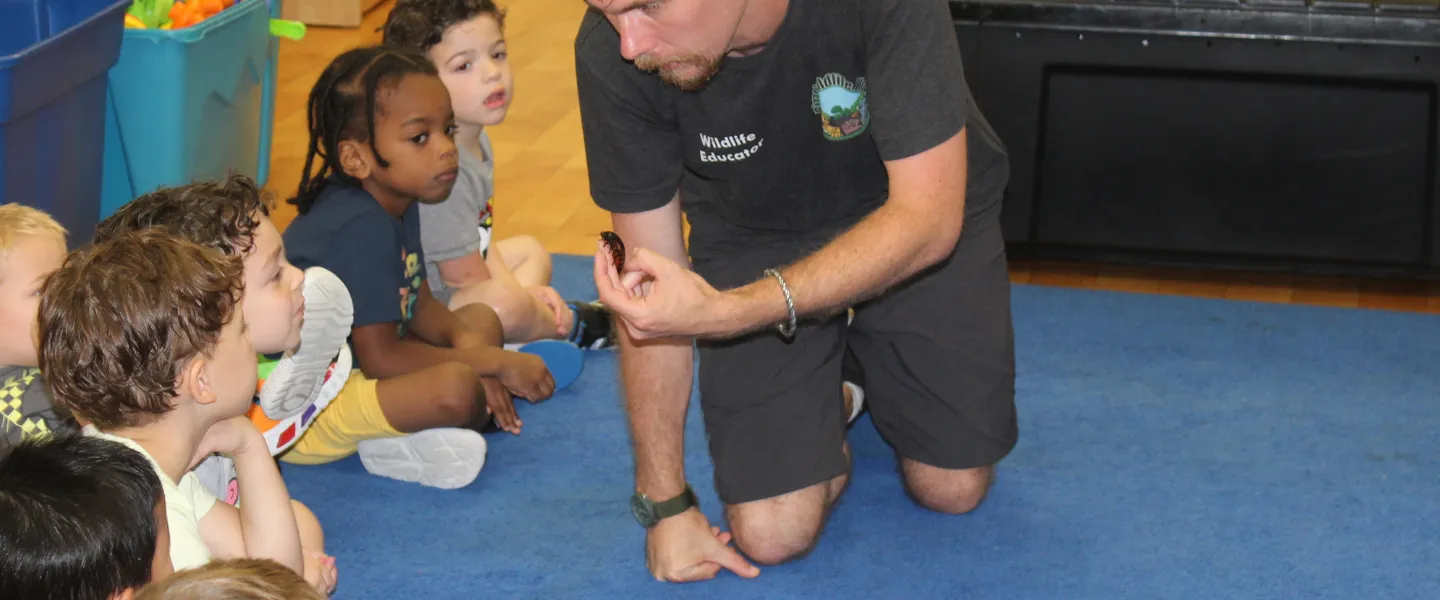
{"points": [[1276, 135]]}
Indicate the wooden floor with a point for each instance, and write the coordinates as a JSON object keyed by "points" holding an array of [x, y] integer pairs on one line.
{"points": [[541, 186]]}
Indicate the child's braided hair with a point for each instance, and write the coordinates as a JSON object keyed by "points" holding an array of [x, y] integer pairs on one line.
{"points": [[342, 107]]}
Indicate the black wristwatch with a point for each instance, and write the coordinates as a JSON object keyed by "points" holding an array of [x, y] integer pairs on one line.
{"points": [[649, 512]]}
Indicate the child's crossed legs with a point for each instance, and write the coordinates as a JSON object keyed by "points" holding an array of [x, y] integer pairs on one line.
{"points": [[421, 426]]}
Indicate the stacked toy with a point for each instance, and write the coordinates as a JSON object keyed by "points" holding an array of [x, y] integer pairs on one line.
{"points": [[178, 14], [172, 14]]}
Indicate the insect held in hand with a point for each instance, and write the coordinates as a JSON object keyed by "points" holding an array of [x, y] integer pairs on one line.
{"points": [[616, 247]]}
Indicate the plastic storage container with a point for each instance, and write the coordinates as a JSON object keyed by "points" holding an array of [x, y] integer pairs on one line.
{"points": [[190, 104], [54, 56]]}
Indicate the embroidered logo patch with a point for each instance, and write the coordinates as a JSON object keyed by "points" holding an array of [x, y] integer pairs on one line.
{"points": [[841, 105]]}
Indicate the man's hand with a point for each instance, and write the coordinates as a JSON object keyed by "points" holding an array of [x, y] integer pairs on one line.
{"points": [[233, 436], [501, 406], [557, 305], [686, 548], [526, 376], [658, 298]]}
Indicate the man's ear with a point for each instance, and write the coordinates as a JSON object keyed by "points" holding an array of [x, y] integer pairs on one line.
{"points": [[356, 159], [195, 381]]}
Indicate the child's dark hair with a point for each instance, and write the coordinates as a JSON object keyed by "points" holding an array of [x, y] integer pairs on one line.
{"points": [[342, 107], [79, 518], [419, 24], [221, 214], [119, 319]]}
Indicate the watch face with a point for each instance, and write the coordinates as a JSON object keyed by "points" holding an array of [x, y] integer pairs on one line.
{"points": [[643, 511]]}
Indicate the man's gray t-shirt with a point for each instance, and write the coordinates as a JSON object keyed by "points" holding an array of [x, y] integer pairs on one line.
{"points": [[461, 224], [785, 147]]}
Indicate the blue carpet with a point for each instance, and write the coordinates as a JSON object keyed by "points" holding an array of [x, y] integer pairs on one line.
{"points": [[1170, 448]]}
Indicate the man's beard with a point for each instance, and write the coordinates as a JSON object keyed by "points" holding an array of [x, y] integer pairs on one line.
{"points": [[706, 66]]}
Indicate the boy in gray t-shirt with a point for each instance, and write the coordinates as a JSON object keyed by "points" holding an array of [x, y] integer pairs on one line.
{"points": [[465, 265]]}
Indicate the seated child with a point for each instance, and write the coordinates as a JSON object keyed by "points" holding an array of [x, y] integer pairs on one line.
{"points": [[236, 579], [464, 39], [84, 519], [381, 127], [32, 245], [299, 327], [142, 338]]}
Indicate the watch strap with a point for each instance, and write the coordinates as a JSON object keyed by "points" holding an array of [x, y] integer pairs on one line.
{"points": [[676, 505]]}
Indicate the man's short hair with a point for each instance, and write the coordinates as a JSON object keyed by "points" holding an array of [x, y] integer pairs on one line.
{"points": [[77, 518], [420, 24], [236, 579], [17, 220], [120, 319], [221, 214]]}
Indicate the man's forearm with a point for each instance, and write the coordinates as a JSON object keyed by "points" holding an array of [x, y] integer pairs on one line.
{"points": [[657, 377], [657, 374], [918, 226], [886, 248]]}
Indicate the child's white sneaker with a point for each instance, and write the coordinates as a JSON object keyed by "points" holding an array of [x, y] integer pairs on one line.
{"points": [[445, 458], [857, 401], [297, 377]]}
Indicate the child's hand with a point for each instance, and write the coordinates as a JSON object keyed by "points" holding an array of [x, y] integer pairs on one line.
{"points": [[526, 376], [552, 299], [233, 436], [501, 406], [321, 572]]}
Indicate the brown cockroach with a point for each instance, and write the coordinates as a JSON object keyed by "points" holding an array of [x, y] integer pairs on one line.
{"points": [[617, 249]]}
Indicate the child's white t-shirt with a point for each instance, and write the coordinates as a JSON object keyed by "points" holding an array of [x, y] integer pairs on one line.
{"points": [[185, 504]]}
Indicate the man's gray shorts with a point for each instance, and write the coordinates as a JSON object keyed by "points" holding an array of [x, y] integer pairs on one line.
{"points": [[936, 357]]}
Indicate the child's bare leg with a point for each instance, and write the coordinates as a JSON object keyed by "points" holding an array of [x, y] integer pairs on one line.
{"points": [[526, 259], [445, 395], [484, 320], [417, 427], [521, 316]]}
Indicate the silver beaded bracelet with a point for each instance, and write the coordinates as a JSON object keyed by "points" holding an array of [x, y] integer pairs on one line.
{"points": [[786, 329]]}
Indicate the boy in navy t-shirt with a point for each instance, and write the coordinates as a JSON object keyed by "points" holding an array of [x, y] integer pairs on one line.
{"points": [[430, 380], [381, 262]]}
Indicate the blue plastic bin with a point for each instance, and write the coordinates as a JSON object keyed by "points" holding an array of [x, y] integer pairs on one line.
{"points": [[190, 104], [54, 56]]}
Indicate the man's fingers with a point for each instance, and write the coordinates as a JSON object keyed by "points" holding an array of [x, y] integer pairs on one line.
{"points": [[612, 294], [696, 572], [631, 280], [632, 331], [727, 557], [606, 279], [645, 261]]}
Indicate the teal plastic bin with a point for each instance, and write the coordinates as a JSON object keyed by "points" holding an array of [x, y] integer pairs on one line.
{"points": [[191, 104], [54, 56]]}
